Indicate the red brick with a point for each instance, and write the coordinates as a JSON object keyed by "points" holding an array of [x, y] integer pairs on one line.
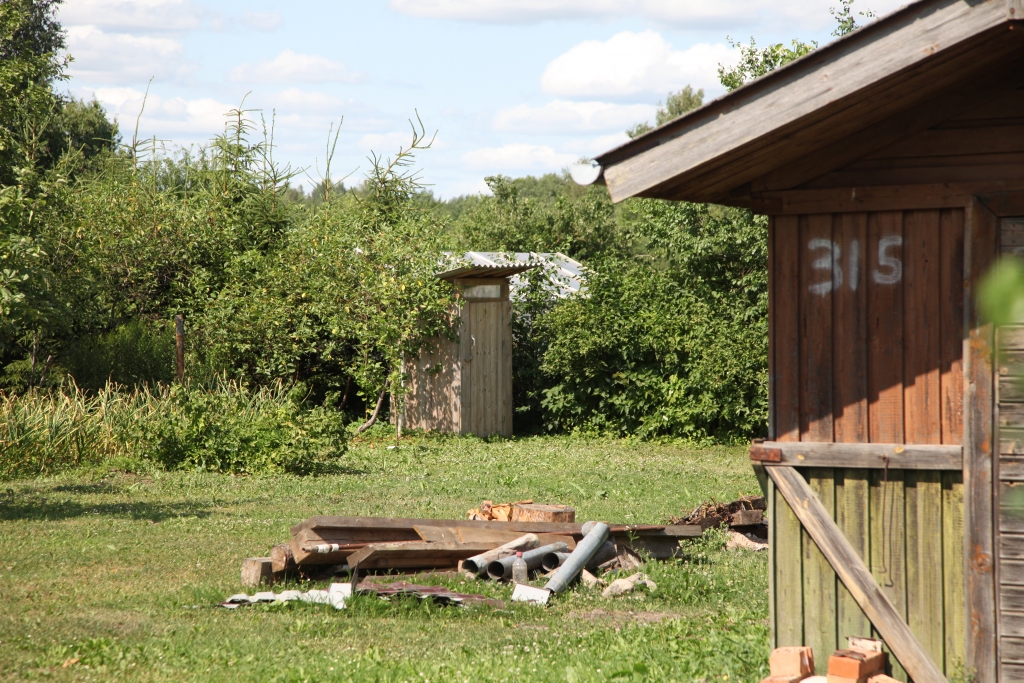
{"points": [[855, 664], [791, 661]]}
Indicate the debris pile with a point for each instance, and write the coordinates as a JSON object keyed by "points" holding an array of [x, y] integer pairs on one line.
{"points": [[747, 511], [551, 544]]}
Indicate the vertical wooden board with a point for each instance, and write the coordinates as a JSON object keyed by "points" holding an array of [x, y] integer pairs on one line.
{"points": [[771, 341], [888, 544], [951, 293], [924, 561], [921, 335], [773, 544], [465, 346], [849, 330], [980, 244], [885, 327], [817, 282], [819, 579], [789, 606], [786, 335], [953, 569], [852, 496]]}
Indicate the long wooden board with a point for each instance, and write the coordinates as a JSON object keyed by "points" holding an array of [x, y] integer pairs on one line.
{"points": [[375, 525], [855, 575], [866, 455], [412, 555]]}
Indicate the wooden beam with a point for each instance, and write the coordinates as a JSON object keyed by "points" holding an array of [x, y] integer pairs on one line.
{"points": [[370, 528], [855, 575], [777, 108], [1004, 203], [878, 198], [860, 455], [980, 244]]}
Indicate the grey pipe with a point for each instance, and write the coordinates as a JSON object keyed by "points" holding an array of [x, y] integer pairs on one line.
{"points": [[596, 535], [478, 563], [502, 569], [553, 561], [604, 553]]}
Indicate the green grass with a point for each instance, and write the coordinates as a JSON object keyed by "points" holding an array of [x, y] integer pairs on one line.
{"points": [[121, 571]]}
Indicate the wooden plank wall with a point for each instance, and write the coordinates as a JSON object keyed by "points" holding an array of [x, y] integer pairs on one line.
{"points": [[866, 323], [434, 389], [487, 368], [1010, 541]]}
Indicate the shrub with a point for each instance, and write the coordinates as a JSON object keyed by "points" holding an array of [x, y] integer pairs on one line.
{"points": [[227, 428]]}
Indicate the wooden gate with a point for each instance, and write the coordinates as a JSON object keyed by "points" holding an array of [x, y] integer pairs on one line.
{"points": [[867, 338]]}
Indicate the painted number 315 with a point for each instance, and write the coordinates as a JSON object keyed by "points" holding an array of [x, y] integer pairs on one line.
{"points": [[830, 259]]}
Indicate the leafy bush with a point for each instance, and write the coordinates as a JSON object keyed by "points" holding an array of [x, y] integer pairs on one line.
{"points": [[237, 430], [131, 355], [228, 428]]}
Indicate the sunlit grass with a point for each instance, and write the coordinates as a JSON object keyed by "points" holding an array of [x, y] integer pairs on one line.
{"points": [[121, 572]]}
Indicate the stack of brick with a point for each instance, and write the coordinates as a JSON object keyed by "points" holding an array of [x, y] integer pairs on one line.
{"points": [[790, 665], [856, 665]]}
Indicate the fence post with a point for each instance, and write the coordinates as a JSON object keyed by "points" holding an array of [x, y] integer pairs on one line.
{"points": [[179, 338]]}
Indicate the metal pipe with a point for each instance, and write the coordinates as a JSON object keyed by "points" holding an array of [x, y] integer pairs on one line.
{"points": [[502, 569], [596, 535], [478, 563], [553, 561], [604, 553]]}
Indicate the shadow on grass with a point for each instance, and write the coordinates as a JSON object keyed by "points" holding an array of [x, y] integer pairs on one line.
{"points": [[39, 508]]}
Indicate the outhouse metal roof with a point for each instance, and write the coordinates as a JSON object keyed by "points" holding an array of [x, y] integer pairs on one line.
{"points": [[565, 275]]}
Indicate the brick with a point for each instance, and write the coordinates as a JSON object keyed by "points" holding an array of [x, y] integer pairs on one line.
{"points": [[791, 661], [855, 664], [881, 678]]}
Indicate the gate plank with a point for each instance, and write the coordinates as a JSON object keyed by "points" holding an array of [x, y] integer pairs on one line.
{"points": [[924, 561], [819, 580], [855, 575], [953, 568], [786, 318], [852, 517], [885, 334], [951, 275], [817, 281], [888, 559], [788, 576]]}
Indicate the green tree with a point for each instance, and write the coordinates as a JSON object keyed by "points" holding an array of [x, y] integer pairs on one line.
{"points": [[756, 62], [675, 105]]}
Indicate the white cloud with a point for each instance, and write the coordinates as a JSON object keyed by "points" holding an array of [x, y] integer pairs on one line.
{"points": [[116, 58], [518, 157], [262, 21], [289, 67], [682, 13], [133, 15], [562, 116], [203, 117], [305, 100], [631, 63]]}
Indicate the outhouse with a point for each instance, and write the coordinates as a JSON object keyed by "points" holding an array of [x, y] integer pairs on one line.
{"points": [[464, 386], [891, 164]]}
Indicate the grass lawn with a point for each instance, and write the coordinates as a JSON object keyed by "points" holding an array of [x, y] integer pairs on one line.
{"points": [[121, 572]]}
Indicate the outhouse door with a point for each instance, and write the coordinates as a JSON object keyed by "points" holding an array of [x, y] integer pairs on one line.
{"points": [[486, 353]]}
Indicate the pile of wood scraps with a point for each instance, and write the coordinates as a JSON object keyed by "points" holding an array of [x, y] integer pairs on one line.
{"points": [[325, 546]]}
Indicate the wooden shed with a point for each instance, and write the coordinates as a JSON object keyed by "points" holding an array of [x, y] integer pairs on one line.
{"points": [[891, 163], [465, 386]]}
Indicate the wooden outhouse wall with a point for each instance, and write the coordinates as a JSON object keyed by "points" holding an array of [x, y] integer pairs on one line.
{"points": [[1010, 478], [866, 326], [465, 386]]}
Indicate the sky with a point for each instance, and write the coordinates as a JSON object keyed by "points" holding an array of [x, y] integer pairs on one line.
{"points": [[513, 87]]}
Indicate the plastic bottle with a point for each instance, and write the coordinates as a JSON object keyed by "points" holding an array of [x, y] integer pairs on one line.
{"points": [[520, 574]]}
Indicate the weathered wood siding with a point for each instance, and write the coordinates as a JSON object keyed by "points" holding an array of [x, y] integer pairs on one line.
{"points": [[1010, 529], [486, 340], [434, 386], [867, 327]]}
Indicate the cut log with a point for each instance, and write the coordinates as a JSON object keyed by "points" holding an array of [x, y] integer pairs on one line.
{"points": [[746, 518], [281, 558], [419, 555], [256, 570], [538, 512]]}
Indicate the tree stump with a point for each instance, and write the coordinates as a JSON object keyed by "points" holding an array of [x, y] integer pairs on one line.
{"points": [[256, 570], [538, 512]]}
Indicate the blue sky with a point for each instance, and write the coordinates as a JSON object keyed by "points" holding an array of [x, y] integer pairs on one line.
{"points": [[519, 87]]}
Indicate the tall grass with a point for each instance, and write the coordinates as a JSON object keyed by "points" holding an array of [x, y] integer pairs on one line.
{"points": [[225, 428]]}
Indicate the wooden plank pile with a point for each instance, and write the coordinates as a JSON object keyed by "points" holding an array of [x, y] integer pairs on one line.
{"points": [[324, 545]]}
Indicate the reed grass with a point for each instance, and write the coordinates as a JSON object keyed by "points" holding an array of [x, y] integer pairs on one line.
{"points": [[226, 427]]}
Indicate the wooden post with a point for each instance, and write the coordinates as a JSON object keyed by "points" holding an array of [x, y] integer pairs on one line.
{"points": [[179, 338], [980, 244]]}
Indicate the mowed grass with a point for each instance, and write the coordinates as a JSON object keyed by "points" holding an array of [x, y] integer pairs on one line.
{"points": [[122, 573]]}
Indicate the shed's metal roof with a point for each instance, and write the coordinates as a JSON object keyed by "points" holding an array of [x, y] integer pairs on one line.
{"points": [[565, 275]]}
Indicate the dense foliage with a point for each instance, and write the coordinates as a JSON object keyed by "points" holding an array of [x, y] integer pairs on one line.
{"points": [[103, 242]]}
